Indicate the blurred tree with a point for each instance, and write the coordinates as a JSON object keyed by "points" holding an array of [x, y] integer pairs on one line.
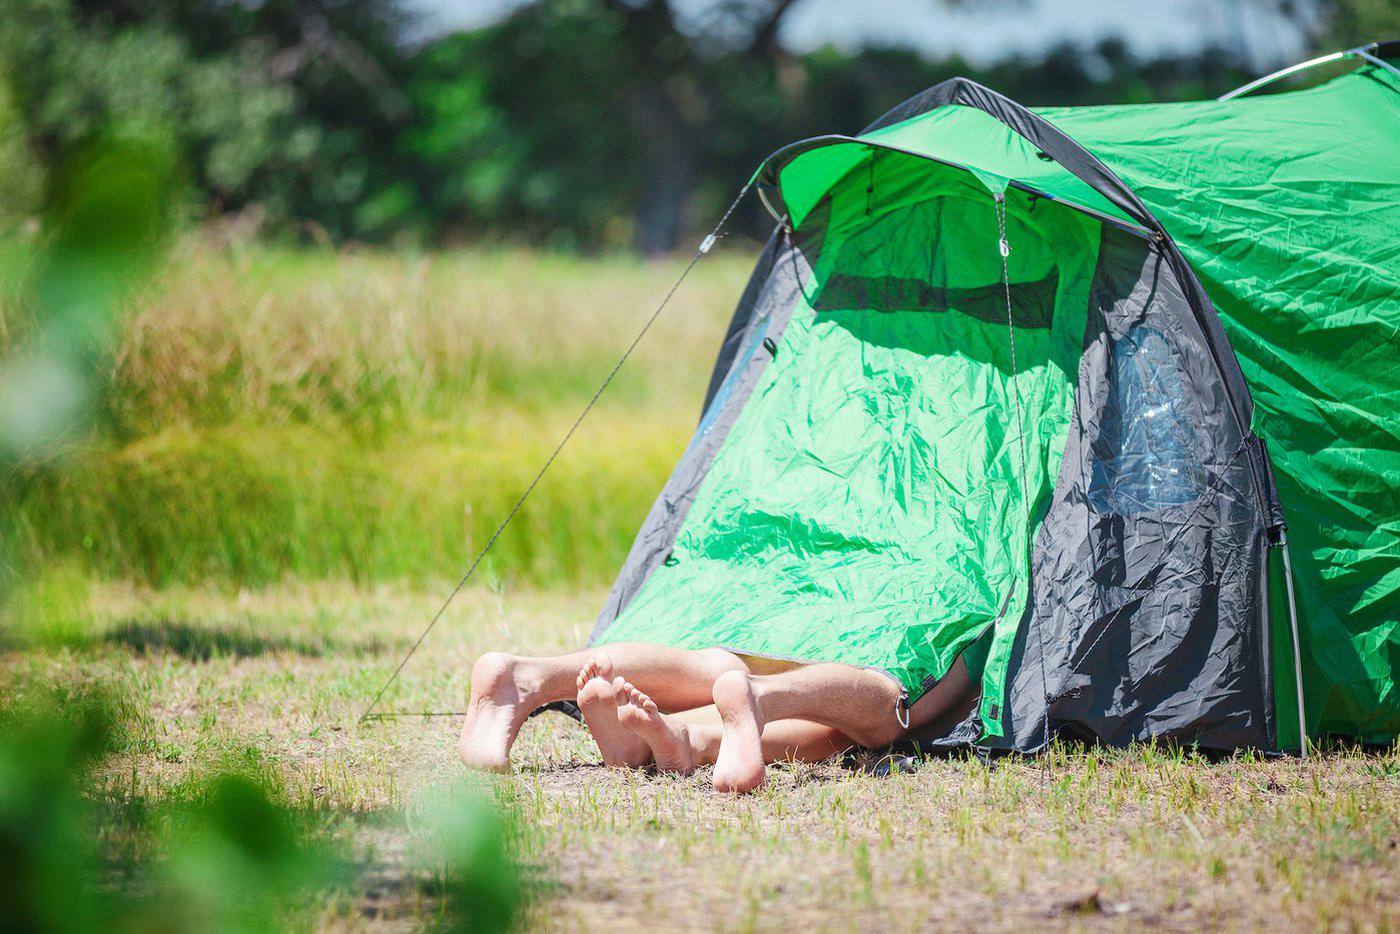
{"points": [[520, 126], [581, 123], [73, 79], [1329, 25], [290, 106], [589, 122], [21, 175], [585, 104], [675, 102]]}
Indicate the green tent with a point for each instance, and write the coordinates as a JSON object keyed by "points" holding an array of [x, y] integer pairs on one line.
{"points": [[1056, 391]]}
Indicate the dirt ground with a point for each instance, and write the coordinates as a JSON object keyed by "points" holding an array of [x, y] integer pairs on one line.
{"points": [[1079, 840]]}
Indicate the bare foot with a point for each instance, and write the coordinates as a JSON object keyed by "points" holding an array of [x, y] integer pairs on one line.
{"points": [[599, 666], [739, 766], [669, 744], [597, 701], [501, 690]]}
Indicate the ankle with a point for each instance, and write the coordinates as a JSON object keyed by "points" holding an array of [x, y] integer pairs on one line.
{"points": [[731, 688], [740, 693], [492, 673]]}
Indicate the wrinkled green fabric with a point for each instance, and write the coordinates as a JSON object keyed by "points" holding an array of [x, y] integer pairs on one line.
{"points": [[1288, 208], [868, 506]]}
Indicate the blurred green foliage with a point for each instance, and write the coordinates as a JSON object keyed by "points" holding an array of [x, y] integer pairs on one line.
{"points": [[224, 852], [576, 122], [1340, 24], [106, 214], [237, 859], [48, 865], [466, 850], [264, 103]]}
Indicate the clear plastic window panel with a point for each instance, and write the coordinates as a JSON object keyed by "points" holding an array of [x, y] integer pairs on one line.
{"points": [[1146, 456]]}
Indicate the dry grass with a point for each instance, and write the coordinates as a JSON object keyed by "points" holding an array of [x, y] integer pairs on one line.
{"points": [[1087, 840], [273, 337], [244, 506]]}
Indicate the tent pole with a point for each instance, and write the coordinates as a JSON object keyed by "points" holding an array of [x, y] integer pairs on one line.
{"points": [[1361, 51], [1297, 645], [1375, 60]]}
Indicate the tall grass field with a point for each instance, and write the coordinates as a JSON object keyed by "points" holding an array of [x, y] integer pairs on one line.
{"points": [[275, 414]]}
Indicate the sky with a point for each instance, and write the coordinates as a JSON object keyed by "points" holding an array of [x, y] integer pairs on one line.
{"points": [[987, 32]]}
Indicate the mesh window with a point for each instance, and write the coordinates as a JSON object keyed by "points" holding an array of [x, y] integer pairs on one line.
{"points": [[861, 277], [1146, 456]]}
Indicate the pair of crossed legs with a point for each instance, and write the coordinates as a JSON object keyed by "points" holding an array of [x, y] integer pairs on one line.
{"points": [[677, 708]]}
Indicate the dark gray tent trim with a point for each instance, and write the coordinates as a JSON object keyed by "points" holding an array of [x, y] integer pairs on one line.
{"points": [[763, 312]]}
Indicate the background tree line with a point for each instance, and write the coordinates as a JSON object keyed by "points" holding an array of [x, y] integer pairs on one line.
{"points": [[578, 123]]}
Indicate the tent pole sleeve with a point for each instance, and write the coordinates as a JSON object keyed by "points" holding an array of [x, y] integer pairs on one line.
{"points": [[1297, 646]]}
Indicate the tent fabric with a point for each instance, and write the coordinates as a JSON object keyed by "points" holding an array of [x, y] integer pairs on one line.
{"points": [[763, 311], [854, 492], [868, 503], [1287, 206], [959, 136]]}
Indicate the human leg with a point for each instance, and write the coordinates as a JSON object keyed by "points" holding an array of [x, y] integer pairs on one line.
{"points": [[505, 689], [860, 703], [780, 741]]}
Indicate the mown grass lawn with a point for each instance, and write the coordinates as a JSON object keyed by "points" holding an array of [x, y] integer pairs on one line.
{"points": [[1081, 840]]}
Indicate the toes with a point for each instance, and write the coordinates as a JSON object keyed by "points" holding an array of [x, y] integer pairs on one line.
{"points": [[648, 705], [587, 673]]}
